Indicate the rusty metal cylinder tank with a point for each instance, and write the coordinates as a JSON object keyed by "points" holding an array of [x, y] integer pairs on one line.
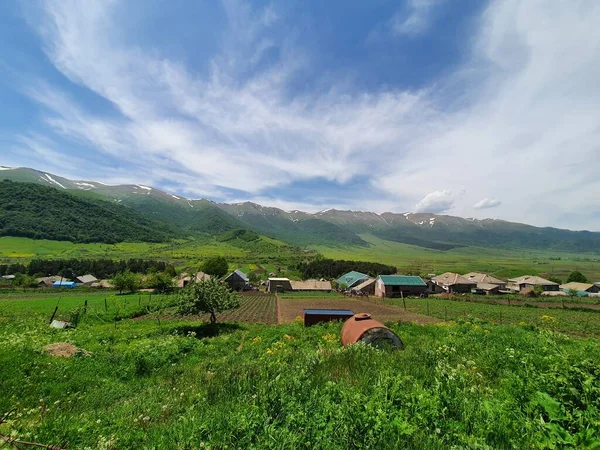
{"points": [[362, 328]]}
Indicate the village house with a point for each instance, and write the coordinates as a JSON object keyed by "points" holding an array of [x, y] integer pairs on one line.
{"points": [[486, 289], [287, 285], [453, 283], [390, 286], [310, 285], [352, 279], [580, 287], [49, 281], [237, 280], [484, 278], [366, 287], [102, 284], [86, 279], [185, 279], [530, 282], [278, 285]]}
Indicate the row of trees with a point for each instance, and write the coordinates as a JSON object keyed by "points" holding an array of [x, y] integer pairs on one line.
{"points": [[330, 268], [100, 268]]}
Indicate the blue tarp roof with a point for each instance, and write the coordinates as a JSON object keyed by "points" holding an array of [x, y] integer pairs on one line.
{"points": [[64, 284]]}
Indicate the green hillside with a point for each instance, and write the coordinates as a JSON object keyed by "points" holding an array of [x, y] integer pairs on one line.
{"points": [[29, 210], [343, 230]]}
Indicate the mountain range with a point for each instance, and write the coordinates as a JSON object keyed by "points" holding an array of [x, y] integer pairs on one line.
{"points": [[177, 216]]}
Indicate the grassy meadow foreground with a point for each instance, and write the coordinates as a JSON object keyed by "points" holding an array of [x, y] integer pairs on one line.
{"points": [[157, 382]]}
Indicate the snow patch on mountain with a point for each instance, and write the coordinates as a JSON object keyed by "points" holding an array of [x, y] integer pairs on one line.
{"points": [[52, 180]]}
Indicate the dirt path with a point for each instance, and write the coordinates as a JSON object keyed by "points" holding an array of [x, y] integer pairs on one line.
{"points": [[292, 308]]}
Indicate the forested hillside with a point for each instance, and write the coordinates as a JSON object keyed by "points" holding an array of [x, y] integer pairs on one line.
{"points": [[33, 211]]}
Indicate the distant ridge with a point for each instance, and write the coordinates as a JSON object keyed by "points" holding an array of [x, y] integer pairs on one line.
{"points": [[329, 227]]}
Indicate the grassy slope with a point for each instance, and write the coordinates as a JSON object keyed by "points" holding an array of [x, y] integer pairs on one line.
{"points": [[30, 210], [151, 386]]}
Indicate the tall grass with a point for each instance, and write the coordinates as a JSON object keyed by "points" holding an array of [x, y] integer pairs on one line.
{"points": [[145, 386]]}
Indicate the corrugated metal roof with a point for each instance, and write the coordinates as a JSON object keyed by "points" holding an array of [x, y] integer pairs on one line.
{"points": [[352, 278], [402, 280], [310, 285], [87, 279], [239, 273], [328, 311]]}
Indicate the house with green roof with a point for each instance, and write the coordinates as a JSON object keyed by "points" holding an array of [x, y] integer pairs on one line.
{"points": [[352, 279], [389, 286]]}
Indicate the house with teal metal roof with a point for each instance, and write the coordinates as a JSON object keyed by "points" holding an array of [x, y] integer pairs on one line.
{"points": [[389, 286], [352, 279]]}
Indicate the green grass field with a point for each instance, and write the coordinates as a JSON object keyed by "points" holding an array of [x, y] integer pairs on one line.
{"points": [[163, 384], [579, 322], [276, 257]]}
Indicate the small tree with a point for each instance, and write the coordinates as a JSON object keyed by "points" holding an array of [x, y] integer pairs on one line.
{"points": [[161, 281], [216, 266], [577, 277], [555, 279], [207, 296], [125, 281], [170, 270], [253, 278]]}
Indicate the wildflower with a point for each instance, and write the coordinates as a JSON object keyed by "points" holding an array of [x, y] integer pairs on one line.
{"points": [[98, 421], [257, 340], [287, 337], [146, 419], [486, 331], [269, 351], [330, 338]]}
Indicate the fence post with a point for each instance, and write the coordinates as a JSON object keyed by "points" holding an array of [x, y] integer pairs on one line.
{"points": [[403, 300], [428, 309], [445, 314], [53, 314], [85, 307], [105, 305]]}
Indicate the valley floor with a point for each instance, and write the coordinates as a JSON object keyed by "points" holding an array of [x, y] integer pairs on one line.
{"points": [[483, 376]]}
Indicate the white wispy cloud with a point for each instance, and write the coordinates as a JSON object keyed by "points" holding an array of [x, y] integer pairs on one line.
{"points": [[416, 19], [486, 203], [522, 126]]}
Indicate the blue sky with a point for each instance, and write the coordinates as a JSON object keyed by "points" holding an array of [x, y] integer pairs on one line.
{"points": [[470, 108]]}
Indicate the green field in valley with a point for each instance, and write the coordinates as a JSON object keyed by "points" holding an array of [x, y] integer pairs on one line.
{"points": [[275, 256], [501, 263], [476, 381]]}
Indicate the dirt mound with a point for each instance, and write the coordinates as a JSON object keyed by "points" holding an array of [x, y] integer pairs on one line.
{"points": [[64, 350]]}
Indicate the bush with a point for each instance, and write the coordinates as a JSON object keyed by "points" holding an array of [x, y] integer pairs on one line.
{"points": [[577, 277]]}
